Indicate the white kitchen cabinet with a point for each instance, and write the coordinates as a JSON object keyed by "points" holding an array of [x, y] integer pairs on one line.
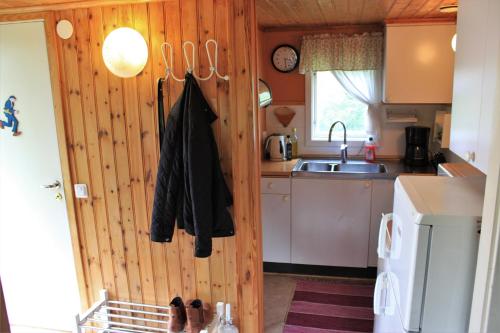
{"points": [[477, 77], [382, 201], [275, 205], [330, 222], [419, 63]]}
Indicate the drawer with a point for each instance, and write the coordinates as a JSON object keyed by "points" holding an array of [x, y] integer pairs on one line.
{"points": [[275, 185]]}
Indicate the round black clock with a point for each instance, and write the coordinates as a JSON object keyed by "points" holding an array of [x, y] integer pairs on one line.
{"points": [[285, 58]]}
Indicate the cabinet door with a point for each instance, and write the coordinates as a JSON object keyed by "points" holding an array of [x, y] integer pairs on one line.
{"points": [[490, 97], [330, 222], [382, 200], [418, 63], [276, 227], [472, 38]]}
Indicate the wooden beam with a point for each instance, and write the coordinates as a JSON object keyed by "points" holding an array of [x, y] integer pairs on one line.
{"points": [[62, 5], [348, 29], [246, 164], [425, 20]]}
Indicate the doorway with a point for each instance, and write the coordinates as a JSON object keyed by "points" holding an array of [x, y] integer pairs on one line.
{"points": [[36, 258]]}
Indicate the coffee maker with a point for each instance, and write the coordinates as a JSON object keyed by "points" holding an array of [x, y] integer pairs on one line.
{"points": [[417, 145]]}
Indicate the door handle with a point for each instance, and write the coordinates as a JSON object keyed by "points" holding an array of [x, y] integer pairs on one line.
{"points": [[55, 184], [379, 286], [381, 248]]}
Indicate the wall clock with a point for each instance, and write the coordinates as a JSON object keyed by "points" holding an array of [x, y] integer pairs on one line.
{"points": [[285, 58]]}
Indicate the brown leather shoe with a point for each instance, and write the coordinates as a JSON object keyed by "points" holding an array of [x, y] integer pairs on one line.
{"points": [[198, 314], [177, 319], [17, 133]]}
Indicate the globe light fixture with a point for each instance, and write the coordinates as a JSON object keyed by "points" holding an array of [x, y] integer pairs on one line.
{"points": [[125, 52]]}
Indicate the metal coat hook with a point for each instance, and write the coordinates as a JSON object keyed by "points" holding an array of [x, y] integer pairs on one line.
{"points": [[168, 68], [213, 69], [167, 53]]}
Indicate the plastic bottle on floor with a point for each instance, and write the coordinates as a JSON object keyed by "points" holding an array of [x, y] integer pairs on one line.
{"points": [[228, 326], [217, 323]]}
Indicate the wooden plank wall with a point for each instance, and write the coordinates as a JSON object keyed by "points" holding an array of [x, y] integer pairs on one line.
{"points": [[112, 138]]}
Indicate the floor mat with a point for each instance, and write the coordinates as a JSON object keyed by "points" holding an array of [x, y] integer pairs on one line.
{"points": [[336, 306]]}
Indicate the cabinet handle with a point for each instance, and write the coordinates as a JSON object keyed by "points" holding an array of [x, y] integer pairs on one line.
{"points": [[270, 185], [470, 156], [286, 198], [367, 184]]}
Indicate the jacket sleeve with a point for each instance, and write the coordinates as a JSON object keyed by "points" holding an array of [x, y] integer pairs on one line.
{"points": [[199, 154], [167, 186]]}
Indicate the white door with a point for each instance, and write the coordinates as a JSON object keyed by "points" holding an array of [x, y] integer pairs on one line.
{"points": [[36, 258]]}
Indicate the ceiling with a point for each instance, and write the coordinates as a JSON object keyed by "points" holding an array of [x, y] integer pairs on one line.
{"points": [[297, 13]]}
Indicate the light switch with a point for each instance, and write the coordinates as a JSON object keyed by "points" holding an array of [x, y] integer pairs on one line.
{"points": [[81, 191]]}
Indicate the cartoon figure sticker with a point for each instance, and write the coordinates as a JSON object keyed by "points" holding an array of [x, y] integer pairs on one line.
{"points": [[10, 114]]}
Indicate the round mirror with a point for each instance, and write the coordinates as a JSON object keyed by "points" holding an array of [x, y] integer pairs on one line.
{"points": [[265, 94]]}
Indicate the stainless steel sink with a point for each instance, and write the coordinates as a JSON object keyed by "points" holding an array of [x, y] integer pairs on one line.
{"points": [[316, 167], [336, 167], [359, 168]]}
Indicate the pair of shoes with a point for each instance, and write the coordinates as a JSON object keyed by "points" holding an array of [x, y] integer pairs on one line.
{"points": [[192, 316], [17, 133]]}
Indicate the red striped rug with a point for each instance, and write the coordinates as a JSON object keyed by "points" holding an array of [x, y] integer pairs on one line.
{"points": [[337, 306]]}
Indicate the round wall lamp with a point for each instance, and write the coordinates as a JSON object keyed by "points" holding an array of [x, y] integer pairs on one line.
{"points": [[125, 52], [454, 43]]}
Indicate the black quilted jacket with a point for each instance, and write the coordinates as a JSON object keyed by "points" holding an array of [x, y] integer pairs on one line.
{"points": [[190, 186]]}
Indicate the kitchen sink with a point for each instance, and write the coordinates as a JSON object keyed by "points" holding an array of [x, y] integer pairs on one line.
{"points": [[316, 167], [336, 167], [359, 168]]}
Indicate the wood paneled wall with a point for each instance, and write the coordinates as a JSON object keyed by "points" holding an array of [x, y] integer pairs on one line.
{"points": [[112, 139]]}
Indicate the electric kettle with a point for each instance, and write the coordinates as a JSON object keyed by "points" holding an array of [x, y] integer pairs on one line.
{"points": [[275, 147]]}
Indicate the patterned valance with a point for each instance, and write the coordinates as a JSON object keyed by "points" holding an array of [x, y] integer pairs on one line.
{"points": [[328, 52]]}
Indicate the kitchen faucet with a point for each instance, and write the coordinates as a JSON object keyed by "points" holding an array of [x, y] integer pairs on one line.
{"points": [[343, 147]]}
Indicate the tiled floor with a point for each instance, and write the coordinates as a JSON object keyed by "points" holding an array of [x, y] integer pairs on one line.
{"points": [[278, 294]]}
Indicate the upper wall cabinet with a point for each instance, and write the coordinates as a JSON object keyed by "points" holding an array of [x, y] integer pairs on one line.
{"points": [[418, 63], [477, 79]]}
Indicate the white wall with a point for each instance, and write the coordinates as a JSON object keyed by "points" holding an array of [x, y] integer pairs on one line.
{"points": [[391, 144]]}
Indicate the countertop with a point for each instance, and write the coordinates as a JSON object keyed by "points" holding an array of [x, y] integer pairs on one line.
{"points": [[460, 170], [394, 167], [277, 169]]}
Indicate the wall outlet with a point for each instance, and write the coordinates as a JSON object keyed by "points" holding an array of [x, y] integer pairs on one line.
{"points": [[81, 191]]}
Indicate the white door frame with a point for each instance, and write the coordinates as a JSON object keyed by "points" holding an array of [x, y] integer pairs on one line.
{"points": [[55, 79]]}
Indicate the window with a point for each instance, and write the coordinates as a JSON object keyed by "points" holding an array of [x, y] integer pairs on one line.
{"points": [[329, 102]]}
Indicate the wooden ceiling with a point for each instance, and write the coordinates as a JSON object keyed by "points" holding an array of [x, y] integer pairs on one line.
{"points": [[300, 13]]}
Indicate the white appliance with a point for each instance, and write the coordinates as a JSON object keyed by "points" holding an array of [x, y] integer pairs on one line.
{"points": [[428, 249]]}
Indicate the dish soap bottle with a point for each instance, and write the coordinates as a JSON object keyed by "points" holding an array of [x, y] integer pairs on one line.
{"points": [[295, 143], [228, 326], [370, 148], [289, 148]]}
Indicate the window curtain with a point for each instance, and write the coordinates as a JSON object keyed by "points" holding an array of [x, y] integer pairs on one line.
{"points": [[365, 86], [356, 61]]}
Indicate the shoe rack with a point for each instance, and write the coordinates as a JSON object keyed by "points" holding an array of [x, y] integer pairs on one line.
{"points": [[109, 316]]}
